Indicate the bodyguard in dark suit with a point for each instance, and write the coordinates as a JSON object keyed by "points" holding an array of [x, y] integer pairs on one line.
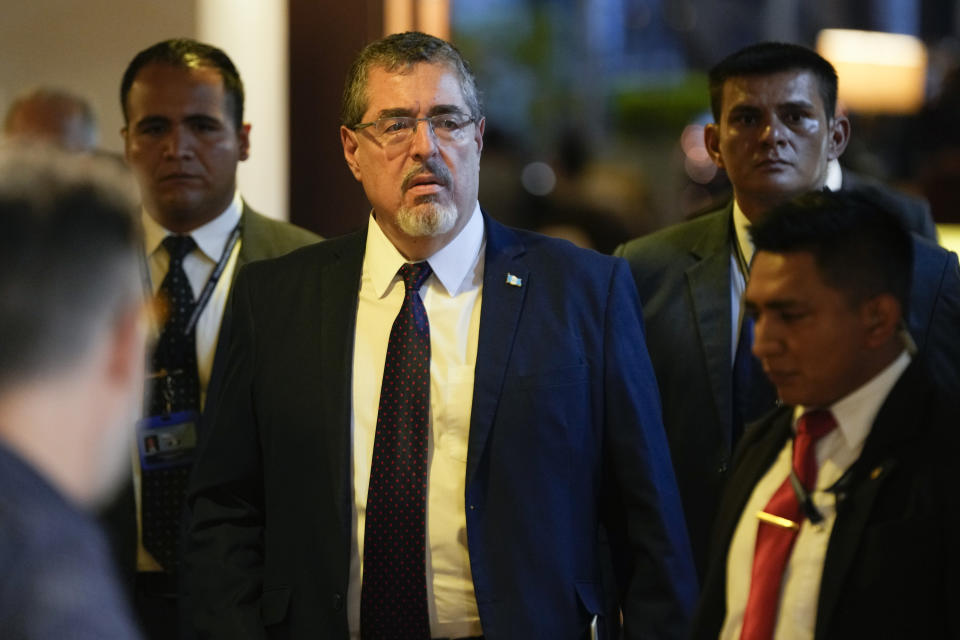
{"points": [[776, 130], [865, 546], [184, 136], [517, 413]]}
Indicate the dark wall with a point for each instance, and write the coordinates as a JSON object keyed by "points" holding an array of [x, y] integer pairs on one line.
{"points": [[324, 39]]}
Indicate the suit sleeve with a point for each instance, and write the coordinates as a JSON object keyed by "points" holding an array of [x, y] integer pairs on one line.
{"points": [[643, 515], [942, 345], [223, 550]]}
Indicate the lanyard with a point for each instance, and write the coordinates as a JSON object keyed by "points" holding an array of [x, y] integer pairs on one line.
{"points": [[212, 281], [741, 259]]}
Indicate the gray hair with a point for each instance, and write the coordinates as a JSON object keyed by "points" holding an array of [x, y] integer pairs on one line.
{"points": [[401, 51], [68, 257], [51, 111]]}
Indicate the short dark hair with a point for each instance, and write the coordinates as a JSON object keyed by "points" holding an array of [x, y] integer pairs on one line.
{"points": [[403, 50], [68, 257], [861, 248], [187, 54], [765, 58]]}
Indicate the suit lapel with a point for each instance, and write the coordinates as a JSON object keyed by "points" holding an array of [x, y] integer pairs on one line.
{"points": [[500, 311], [756, 452], [249, 235], [339, 287], [858, 489], [709, 282]]}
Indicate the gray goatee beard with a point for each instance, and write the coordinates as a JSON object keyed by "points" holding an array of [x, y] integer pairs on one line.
{"points": [[427, 218]]}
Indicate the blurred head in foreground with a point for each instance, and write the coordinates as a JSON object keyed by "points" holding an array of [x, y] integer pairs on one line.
{"points": [[71, 317]]}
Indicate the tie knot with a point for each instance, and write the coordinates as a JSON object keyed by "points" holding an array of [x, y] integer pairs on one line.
{"points": [[178, 246], [414, 275], [816, 424]]}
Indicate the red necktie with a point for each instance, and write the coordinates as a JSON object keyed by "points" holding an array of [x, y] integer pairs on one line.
{"points": [[393, 596], [774, 542]]}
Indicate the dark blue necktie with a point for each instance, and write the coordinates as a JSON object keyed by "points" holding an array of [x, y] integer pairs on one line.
{"points": [[753, 395], [393, 601]]}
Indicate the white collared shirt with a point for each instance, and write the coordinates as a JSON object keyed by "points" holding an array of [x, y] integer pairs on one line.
{"points": [[738, 279], [452, 299], [211, 240], [836, 452], [834, 180]]}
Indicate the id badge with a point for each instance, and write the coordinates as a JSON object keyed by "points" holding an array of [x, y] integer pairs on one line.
{"points": [[168, 440]]}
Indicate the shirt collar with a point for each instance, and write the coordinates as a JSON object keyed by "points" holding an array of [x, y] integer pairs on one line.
{"points": [[856, 411], [451, 264], [211, 238], [740, 224], [834, 180]]}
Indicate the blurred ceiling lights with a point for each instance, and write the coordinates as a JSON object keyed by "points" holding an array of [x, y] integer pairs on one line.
{"points": [[697, 163], [880, 73], [428, 16]]}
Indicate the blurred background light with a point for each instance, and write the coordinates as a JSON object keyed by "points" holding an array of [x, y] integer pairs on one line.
{"points": [[538, 178], [879, 72]]}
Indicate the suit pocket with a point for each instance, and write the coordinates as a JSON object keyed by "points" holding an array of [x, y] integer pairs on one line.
{"points": [[273, 605], [571, 374], [591, 607], [589, 594], [910, 549]]}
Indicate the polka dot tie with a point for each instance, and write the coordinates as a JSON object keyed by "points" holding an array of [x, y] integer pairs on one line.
{"points": [[176, 352], [774, 542], [393, 601]]}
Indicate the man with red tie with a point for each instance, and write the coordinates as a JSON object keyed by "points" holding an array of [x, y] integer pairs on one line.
{"points": [[841, 507]]}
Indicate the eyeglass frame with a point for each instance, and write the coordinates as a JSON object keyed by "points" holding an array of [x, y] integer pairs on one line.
{"points": [[416, 122]]}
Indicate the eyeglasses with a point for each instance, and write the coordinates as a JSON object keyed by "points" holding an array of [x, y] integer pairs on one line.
{"points": [[449, 127]]}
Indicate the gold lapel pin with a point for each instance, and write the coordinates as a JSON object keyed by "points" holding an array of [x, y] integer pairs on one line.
{"points": [[876, 473]]}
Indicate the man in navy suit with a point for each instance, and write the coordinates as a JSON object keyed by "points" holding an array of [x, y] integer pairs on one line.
{"points": [[541, 418]]}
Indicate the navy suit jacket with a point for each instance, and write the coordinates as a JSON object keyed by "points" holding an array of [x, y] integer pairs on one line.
{"points": [[565, 434], [58, 577], [891, 564], [682, 274]]}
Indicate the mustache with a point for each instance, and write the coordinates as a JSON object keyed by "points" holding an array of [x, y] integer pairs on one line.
{"points": [[436, 168]]}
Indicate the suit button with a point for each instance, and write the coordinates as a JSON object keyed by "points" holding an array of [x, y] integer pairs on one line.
{"points": [[337, 602]]}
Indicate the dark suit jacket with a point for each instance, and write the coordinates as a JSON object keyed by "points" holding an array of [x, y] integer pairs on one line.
{"points": [[914, 212], [261, 237], [58, 577], [892, 564], [683, 277], [565, 433]]}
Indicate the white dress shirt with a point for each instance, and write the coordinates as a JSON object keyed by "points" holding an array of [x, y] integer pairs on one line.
{"points": [[451, 297], [836, 451], [211, 241], [738, 275], [834, 180]]}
